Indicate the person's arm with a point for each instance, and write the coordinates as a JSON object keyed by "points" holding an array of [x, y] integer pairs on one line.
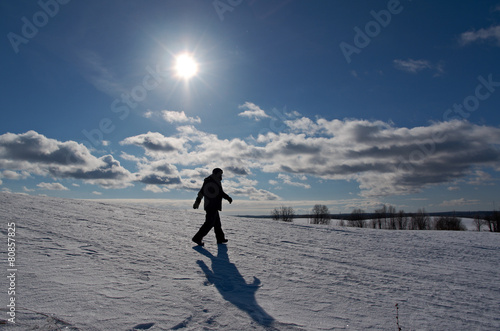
{"points": [[227, 197], [198, 199]]}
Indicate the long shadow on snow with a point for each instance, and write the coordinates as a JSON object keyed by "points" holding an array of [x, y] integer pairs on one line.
{"points": [[232, 286]]}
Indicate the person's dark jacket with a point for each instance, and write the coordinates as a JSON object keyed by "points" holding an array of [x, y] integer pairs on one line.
{"points": [[213, 193]]}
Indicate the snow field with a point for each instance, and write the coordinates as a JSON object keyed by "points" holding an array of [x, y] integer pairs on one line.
{"points": [[101, 266]]}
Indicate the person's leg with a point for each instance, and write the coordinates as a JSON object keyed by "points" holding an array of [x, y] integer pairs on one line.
{"points": [[219, 234], [206, 227]]}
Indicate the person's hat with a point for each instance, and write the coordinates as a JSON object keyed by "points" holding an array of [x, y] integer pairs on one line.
{"points": [[216, 171]]}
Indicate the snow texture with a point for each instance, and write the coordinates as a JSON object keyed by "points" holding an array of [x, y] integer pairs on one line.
{"points": [[85, 265]]}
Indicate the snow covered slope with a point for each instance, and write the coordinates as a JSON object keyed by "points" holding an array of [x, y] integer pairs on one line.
{"points": [[99, 266]]}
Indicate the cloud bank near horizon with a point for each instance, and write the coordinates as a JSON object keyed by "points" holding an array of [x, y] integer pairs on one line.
{"points": [[383, 159]]}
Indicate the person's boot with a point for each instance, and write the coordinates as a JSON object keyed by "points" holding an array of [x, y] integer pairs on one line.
{"points": [[223, 241], [198, 241]]}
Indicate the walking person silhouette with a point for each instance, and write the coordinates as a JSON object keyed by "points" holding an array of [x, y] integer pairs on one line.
{"points": [[212, 193]]}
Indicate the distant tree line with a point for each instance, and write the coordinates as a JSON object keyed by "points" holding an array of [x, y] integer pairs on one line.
{"points": [[388, 218], [319, 215]]}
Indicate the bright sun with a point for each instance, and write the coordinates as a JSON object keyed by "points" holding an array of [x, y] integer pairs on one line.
{"points": [[185, 66]]}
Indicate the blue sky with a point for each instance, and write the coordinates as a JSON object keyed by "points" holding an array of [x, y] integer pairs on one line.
{"points": [[352, 104]]}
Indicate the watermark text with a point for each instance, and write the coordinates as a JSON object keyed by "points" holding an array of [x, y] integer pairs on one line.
{"points": [[30, 28], [11, 271]]}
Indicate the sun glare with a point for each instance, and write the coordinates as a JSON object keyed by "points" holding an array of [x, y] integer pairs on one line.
{"points": [[185, 66]]}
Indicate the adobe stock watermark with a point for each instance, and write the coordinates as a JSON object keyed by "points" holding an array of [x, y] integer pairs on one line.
{"points": [[12, 271], [30, 28], [123, 105], [363, 38], [459, 111], [471, 103], [223, 6]]}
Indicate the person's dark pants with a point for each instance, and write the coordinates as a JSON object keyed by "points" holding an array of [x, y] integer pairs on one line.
{"points": [[212, 220]]}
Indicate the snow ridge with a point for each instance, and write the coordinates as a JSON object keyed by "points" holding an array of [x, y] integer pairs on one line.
{"points": [[86, 265]]}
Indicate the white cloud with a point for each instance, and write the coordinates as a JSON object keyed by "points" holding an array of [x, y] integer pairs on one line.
{"points": [[252, 192], [286, 179], [158, 173], [33, 153], [130, 157], [303, 124], [178, 117], [480, 178], [155, 189], [53, 186], [412, 66], [172, 116], [252, 111], [492, 33], [155, 142], [293, 113], [14, 175], [96, 193], [415, 66]]}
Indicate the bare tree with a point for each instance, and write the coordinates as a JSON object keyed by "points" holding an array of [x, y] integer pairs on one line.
{"points": [[275, 214], [320, 215], [357, 219], [493, 221], [451, 223], [380, 215], [420, 221], [287, 214], [391, 214], [385, 218], [478, 222], [283, 213], [496, 219], [401, 220]]}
